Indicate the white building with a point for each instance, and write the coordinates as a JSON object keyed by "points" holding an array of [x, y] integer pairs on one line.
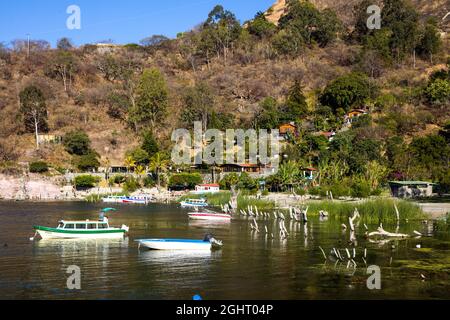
{"points": [[206, 188]]}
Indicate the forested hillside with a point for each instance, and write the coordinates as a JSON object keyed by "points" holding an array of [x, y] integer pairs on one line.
{"points": [[311, 66]]}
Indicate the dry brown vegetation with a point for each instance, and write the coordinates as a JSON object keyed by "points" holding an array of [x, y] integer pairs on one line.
{"points": [[239, 84]]}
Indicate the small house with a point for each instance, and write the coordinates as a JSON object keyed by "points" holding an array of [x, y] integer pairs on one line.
{"points": [[288, 129], [206, 188], [49, 139], [353, 115], [309, 173], [239, 168], [411, 189]]}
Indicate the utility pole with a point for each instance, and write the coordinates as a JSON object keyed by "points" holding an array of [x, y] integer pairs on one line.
{"points": [[28, 50]]}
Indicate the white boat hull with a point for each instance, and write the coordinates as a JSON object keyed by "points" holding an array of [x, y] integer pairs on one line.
{"points": [[164, 245], [126, 201], [209, 216], [56, 235]]}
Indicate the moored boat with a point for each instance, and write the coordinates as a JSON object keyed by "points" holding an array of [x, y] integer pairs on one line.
{"points": [[209, 243], [86, 229], [124, 199], [209, 216], [194, 203]]}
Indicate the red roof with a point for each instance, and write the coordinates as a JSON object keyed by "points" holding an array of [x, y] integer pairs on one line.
{"points": [[209, 185], [327, 134]]}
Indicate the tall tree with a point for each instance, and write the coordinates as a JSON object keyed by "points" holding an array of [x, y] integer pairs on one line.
{"points": [[154, 40], [360, 15], [219, 32], [149, 144], [63, 65], [347, 91], [261, 27], [430, 41], [199, 105], [312, 25], [158, 165], [34, 110], [296, 105], [269, 115], [64, 44], [152, 98], [402, 19]]}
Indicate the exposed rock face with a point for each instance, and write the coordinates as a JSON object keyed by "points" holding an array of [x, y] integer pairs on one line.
{"points": [[33, 187], [276, 11]]}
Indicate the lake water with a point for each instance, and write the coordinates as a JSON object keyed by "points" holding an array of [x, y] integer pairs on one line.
{"points": [[248, 267]]}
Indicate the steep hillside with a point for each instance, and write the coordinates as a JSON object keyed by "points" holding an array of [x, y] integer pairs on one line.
{"points": [[344, 9], [228, 83]]}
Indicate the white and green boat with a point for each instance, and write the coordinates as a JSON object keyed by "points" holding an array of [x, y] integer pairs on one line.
{"points": [[82, 230]]}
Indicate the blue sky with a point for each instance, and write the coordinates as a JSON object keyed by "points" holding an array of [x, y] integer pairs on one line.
{"points": [[122, 21]]}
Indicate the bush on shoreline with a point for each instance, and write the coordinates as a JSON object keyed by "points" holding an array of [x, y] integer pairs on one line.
{"points": [[39, 167], [86, 181]]}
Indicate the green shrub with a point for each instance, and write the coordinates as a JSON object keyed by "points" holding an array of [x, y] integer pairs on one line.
{"points": [[77, 143], [247, 183], [228, 181], [314, 191], [39, 167], [376, 192], [242, 182], [360, 189], [438, 91], [188, 180], [149, 182], [340, 190], [88, 162], [119, 179], [139, 156], [86, 181], [346, 92], [131, 185]]}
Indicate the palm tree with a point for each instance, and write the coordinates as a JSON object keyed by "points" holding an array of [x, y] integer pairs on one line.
{"points": [[288, 174], [158, 164], [129, 163]]}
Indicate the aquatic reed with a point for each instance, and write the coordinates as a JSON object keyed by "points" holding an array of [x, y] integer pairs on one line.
{"points": [[371, 211]]}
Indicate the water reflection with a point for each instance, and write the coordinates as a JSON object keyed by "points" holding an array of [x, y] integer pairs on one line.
{"points": [[251, 265], [209, 225], [179, 257]]}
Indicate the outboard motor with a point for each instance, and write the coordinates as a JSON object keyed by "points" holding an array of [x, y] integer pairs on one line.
{"points": [[210, 238]]}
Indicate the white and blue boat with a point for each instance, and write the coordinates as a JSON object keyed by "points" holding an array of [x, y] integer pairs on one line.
{"points": [[142, 199], [209, 243], [194, 203]]}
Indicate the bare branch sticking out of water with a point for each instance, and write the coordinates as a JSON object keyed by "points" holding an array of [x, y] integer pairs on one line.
{"points": [[385, 234], [323, 252]]}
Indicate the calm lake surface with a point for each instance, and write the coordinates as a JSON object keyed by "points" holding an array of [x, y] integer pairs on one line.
{"points": [[248, 267]]}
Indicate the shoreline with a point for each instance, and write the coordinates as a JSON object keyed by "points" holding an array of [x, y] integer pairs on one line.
{"points": [[434, 210]]}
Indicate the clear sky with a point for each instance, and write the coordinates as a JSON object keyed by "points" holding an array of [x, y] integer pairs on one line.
{"points": [[125, 21]]}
